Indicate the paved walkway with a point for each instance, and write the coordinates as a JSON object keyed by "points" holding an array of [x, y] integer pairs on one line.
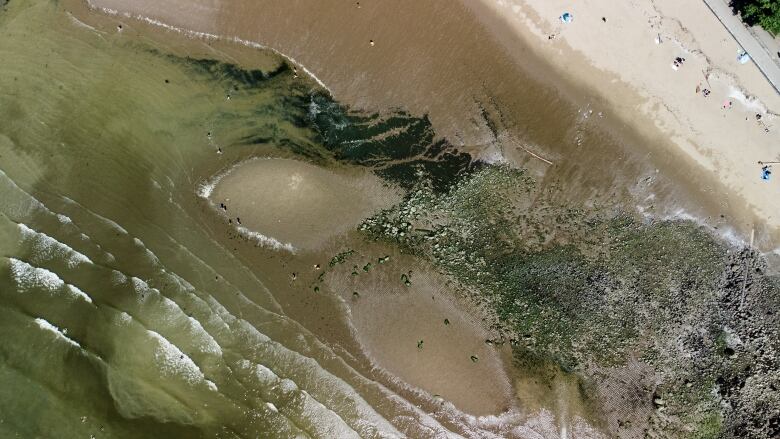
{"points": [[764, 57]]}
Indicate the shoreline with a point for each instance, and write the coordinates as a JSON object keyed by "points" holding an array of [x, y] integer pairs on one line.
{"points": [[356, 73], [703, 139]]}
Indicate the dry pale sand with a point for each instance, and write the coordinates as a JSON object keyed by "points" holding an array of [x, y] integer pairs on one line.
{"points": [[296, 204], [621, 59]]}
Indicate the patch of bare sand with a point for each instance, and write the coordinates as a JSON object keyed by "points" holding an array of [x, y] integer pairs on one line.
{"points": [[412, 323], [295, 202]]}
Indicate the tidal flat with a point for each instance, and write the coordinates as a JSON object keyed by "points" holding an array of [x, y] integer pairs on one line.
{"points": [[426, 292]]}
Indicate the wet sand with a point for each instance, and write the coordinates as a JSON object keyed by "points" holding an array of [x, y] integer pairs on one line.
{"points": [[424, 331], [377, 331], [312, 208], [297, 205]]}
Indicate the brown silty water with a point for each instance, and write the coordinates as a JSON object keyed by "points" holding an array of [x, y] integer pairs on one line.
{"points": [[483, 89]]}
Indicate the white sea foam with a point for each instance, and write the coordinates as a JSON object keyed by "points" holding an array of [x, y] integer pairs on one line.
{"points": [[17, 203], [172, 362], [209, 36], [266, 241], [124, 318], [113, 224], [728, 234], [80, 23], [45, 325], [150, 256], [318, 418], [77, 292], [46, 247], [64, 219], [28, 277], [143, 290], [118, 278], [207, 343], [206, 188], [330, 390]]}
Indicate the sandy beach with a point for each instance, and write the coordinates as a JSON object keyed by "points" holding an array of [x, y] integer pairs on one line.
{"points": [[625, 52]]}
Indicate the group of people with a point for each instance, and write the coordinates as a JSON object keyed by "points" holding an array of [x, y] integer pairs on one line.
{"points": [[678, 62]]}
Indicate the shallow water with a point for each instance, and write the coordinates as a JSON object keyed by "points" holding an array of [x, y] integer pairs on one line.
{"points": [[125, 311]]}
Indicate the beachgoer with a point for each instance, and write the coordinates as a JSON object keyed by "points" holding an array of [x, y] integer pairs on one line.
{"points": [[766, 172]]}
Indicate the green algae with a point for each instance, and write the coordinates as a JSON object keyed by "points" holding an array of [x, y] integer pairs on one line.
{"points": [[399, 146], [340, 258], [604, 290]]}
